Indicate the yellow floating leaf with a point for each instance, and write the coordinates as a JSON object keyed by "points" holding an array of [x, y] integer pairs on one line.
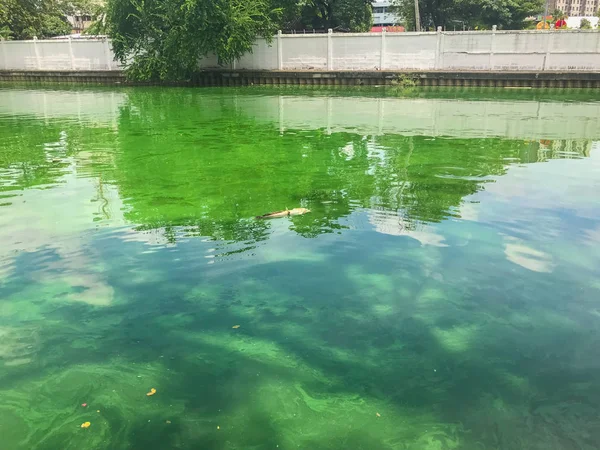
{"points": [[86, 424], [152, 392], [235, 327]]}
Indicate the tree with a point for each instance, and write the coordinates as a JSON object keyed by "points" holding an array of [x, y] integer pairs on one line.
{"points": [[98, 13], [506, 14], [291, 14], [165, 39], [557, 14], [433, 13], [5, 30], [341, 15], [585, 24], [24, 19]]}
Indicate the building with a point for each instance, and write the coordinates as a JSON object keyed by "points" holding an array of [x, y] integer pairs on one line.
{"points": [[80, 21], [578, 7], [382, 15]]}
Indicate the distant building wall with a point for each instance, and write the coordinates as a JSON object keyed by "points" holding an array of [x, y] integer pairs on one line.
{"points": [[465, 51], [80, 21], [382, 14], [577, 7]]}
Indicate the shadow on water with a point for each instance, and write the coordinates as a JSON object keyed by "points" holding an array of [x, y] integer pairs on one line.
{"points": [[352, 339], [325, 354]]}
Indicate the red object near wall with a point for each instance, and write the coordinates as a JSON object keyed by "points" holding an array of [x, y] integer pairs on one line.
{"points": [[392, 29]]}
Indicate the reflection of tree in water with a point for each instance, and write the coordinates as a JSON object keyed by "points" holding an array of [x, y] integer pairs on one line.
{"points": [[195, 165], [30, 154], [194, 161], [179, 166], [35, 153]]}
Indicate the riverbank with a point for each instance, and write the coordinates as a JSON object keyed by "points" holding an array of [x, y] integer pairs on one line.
{"points": [[503, 79]]}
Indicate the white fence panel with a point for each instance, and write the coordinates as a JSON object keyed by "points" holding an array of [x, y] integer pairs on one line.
{"points": [[54, 55], [410, 51], [92, 55], [356, 52], [304, 52], [263, 57], [466, 51], [19, 55]]}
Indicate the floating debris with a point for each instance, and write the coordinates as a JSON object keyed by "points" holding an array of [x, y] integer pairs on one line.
{"points": [[84, 405], [86, 424], [285, 213], [167, 421], [378, 415], [235, 327], [218, 427], [152, 392]]}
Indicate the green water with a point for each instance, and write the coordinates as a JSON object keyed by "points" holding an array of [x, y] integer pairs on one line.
{"points": [[443, 292]]}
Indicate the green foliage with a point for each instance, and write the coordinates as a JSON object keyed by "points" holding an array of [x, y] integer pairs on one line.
{"points": [[220, 181], [164, 39], [99, 24], [24, 19], [291, 14], [585, 24], [339, 15], [557, 14], [97, 27], [404, 82], [355, 15], [6, 33], [406, 10], [506, 14]]}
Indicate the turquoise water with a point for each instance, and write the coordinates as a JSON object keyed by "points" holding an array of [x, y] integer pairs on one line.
{"points": [[443, 292]]}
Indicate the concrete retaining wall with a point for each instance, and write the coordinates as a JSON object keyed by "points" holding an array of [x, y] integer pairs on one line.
{"points": [[515, 51], [400, 79]]}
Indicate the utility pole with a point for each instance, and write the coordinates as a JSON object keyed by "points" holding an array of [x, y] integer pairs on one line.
{"points": [[418, 16], [545, 14]]}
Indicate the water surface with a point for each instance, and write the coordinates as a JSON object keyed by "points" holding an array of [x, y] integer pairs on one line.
{"points": [[443, 292]]}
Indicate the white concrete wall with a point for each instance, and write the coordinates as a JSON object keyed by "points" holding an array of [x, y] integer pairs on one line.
{"points": [[57, 55], [483, 50]]}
